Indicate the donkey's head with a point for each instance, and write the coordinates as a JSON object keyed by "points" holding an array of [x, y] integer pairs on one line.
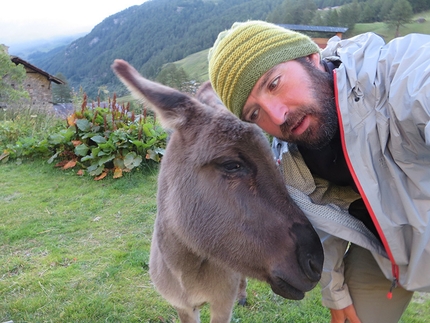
{"points": [[220, 190]]}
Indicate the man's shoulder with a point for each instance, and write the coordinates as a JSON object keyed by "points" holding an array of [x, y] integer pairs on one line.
{"points": [[338, 47]]}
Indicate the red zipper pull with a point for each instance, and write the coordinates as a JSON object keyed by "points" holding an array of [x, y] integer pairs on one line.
{"points": [[393, 285]]}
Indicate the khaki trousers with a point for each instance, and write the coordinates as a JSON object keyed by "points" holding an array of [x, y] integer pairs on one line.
{"points": [[368, 288]]}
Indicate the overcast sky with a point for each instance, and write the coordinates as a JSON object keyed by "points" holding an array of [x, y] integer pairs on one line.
{"points": [[25, 20]]}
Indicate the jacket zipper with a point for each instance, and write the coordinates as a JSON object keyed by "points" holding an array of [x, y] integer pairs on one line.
{"points": [[394, 266]]}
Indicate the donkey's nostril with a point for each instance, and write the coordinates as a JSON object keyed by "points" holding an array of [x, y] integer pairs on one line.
{"points": [[309, 251], [311, 265], [314, 269]]}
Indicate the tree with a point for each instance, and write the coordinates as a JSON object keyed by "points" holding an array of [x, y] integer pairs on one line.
{"points": [[277, 16], [172, 76], [332, 18], [11, 80], [298, 12], [348, 15], [400, 14], [386, 7], [61, 93], [318, 19], [420, 5]]}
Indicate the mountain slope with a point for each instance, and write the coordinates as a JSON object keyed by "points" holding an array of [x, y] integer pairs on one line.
{"points": [[148, 36]]}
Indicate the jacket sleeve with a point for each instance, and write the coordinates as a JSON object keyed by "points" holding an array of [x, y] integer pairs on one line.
{"points": [[334, 291]]}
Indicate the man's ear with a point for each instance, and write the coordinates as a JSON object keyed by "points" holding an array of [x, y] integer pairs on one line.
{"points": [[315, 60]]}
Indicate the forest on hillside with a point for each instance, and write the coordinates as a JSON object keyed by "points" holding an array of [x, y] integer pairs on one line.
{"points": [[162, 31], [345, 13]]}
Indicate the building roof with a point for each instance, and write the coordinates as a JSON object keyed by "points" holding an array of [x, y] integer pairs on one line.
{"points": [[50, 77], [323, 29]]}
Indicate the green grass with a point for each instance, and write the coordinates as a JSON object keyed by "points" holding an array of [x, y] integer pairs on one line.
{"points": [[388, 33], [76, 250], [195, 65], [72, 249]]}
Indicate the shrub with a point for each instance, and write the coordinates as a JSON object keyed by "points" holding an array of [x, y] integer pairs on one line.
{"points": [[99, 140], [23, 132], [95, 140]]}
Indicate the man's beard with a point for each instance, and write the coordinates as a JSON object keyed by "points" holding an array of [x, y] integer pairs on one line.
{"points": [[324, 110]]}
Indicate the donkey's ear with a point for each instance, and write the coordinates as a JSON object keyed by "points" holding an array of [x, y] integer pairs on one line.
{"points": [[169, 104], [207, 95]]}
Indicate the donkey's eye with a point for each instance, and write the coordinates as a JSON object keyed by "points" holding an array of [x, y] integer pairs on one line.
{"points": [[232, 166]]}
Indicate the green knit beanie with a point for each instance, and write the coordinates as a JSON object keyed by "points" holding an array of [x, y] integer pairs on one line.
{"points": [[242, 54]]}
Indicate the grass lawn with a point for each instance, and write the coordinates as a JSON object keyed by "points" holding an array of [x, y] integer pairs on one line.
{"points": [[76, 250], [388, 32]]}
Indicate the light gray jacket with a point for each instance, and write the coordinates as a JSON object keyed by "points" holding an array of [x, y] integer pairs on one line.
{"points": [[383, 98]]}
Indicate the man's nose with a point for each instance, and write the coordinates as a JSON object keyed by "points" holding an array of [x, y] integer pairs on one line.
{"points": [[277, 112]]}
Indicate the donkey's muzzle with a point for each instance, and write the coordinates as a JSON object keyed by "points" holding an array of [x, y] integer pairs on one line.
{"points": [[309, 257], [294, 287], [283, 288]]}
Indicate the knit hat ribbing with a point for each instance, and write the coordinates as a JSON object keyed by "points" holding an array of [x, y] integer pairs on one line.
{"points": [[242, 54]]}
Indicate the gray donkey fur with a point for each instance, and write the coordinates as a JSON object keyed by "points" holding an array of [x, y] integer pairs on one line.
{"points": [[223, 210]]}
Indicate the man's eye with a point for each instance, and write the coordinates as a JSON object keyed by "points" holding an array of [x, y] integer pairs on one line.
{"points": [[273, 84], [254, 115]]}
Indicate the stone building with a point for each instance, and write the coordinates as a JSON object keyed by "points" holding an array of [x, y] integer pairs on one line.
{"points": [[38, 85]]}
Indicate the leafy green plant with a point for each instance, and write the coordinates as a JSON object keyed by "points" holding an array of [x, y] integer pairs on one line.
{"points": [[11, 80], [9, 132], [23, 133], [100, 140]]}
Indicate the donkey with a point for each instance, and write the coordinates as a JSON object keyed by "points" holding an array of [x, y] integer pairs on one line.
{"points": [[224, 212]]}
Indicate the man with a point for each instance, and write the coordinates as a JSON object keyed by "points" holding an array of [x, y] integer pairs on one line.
{"points": [[353, 139]]}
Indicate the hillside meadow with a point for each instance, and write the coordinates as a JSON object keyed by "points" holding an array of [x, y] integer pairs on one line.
{"points": [[76, 250]]}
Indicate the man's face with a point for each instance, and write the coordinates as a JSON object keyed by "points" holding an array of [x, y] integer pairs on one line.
{"points": [[294, 101]]}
